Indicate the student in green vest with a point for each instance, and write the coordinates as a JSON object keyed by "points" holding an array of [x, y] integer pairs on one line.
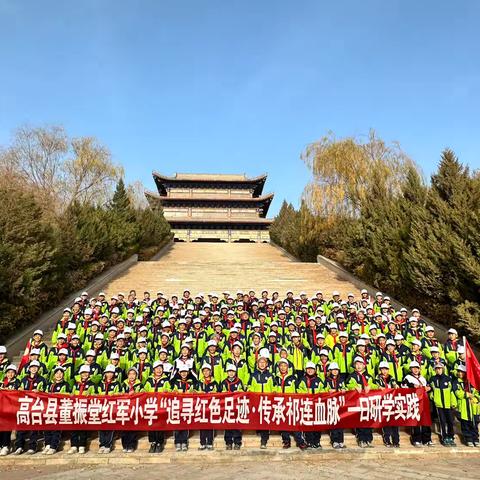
{"points": [[83, 386], [361, 381], [130, 386], [311, 383], [261, 381], [56, 385], [233, 438], [299, 353], [335, 382], [159, 381], [467, 406], [287, 383], [445, 402], [207, 384], [183, 382], [342, 354], [213, 358], [108, 386], [31, 382], [9, 382], [391, 437]]}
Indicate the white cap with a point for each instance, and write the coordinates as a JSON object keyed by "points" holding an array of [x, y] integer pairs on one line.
{"points": [[398, 336], [63, 351], [429, 328], [460, 349], [212, 343], [109, 368], [390, 342], [90, 353], [295, 334], [156, 364], [231, 367], [333, 366], [88, 311], [264, 353], [35, 351], [310, 365], [417, 342], [462, 368], [283, 360], [84, 369], [142, 350], [3, 349], [384, 365], [183, 368], [114, 356], [323, 352], [34, 363], [359, 359], [11, 367], [452, 330], [414, 363], [434, 349], [364, 290], [360, 343], [333, 325], [341, 334], [206, 365], [38, 332]]}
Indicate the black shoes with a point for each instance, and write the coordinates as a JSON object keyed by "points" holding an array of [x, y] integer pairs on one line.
{"points": [[156, 448]]}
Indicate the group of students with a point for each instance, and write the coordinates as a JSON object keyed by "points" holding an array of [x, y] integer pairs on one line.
{"points": [[229, 343]]}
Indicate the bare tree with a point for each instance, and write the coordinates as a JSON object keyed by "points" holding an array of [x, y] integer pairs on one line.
{"points": [[136, 192], [58, 169], [36, 158], [90, 174]]}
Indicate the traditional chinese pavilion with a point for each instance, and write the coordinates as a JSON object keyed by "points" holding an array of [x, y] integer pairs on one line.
{"points": [[213, 207]]}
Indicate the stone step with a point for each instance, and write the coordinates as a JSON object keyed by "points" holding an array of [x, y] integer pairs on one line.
{"points": [[245, 455], [250, 440]]}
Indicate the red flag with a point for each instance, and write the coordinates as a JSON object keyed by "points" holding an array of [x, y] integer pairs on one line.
{"points": [[473, 367]]}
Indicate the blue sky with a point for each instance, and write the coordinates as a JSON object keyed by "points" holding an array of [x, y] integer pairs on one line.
{"points": [[243, 86]]}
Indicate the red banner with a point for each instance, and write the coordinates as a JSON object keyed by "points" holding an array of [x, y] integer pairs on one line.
{"points": [[21, 410], [472, 365]]}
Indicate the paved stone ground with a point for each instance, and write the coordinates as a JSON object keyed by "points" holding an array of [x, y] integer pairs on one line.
{"points": [[409, 468]]}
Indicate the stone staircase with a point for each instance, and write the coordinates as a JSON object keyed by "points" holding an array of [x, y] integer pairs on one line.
{"points": [[250, 452], [207, 267]]}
